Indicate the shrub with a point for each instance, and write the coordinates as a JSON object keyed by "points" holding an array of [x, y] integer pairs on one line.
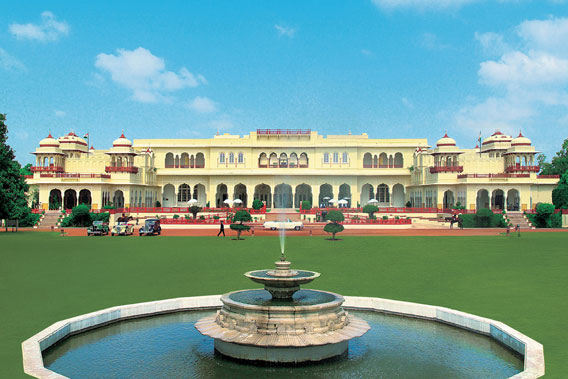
{"points": [[202, 217], [28, 218], [560, 193], [109, 206], [370, 209], [176, 217], [396, 217], [408, 204], [81, 215], [194, 210], [483, 218], [334, 226], [257, 204], [103, 216], [306, 204], [215, 217], [237, 225], [543, 217], [158, 204], [385, 217], [187, 217]]}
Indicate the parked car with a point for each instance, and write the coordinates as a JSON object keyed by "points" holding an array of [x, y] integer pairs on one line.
{"points": [[122, 229], [151, 227], [98, 228], [288, 224]]}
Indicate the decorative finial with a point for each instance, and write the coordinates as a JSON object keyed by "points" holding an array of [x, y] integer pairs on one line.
{"points": [[122, 134]]}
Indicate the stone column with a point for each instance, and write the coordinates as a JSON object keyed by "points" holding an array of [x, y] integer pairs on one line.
{"points": [[315, 195]]}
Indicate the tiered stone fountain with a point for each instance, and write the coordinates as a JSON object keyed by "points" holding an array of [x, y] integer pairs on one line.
{"points": [[282, 323]]}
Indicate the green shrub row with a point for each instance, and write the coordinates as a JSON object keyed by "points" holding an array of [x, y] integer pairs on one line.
{"points": [[483, 218]]}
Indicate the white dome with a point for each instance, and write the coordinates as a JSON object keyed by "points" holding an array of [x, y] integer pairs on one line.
{"points": [[122, 141], [72, 141], [49, 141], [521, 140], [446, 141], [497, 137]]}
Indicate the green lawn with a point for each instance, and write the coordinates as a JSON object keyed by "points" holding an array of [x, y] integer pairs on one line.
{"points": [[520, 281]]}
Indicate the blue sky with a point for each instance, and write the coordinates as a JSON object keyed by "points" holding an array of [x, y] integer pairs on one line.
{"points": [[391, 68]]}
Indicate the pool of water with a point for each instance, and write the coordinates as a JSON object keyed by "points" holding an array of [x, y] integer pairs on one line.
{"points": [[168, 346], [263, 297], [264, 274]]}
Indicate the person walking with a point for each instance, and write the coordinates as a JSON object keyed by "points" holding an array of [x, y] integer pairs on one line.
{"points": [[221, 229]]}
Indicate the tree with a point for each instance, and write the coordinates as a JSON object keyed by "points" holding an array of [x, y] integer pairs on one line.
{"points": [[257, 204], [26, 170], [559, 163], [237, 225], [370, 209], [306, 205], [560, 193], [13, 187], [194, 210], [544, 211], [334, 226]]}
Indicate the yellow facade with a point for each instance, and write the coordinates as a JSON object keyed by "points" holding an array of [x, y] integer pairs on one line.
{"points": [[284, 167]]}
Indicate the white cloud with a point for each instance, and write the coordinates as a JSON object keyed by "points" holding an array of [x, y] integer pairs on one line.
{"points": [[407, 103], [431, 41], [492, 43], [9, 62], [48, 30], [421, 4], [517, 68], [533, 79], [59, 113], [285, 30], [145, 75], [202, 105]]}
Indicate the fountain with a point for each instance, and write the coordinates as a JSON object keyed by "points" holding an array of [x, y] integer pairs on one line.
{"points": [[282, 323]]}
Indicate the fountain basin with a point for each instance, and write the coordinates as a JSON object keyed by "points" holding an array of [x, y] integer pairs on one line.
{"points": [[282, 282], [310, 327], [33, 362]]}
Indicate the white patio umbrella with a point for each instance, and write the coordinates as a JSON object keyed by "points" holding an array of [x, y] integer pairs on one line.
{"points": [[333, 201], [327, 198], [228, 201], [238, 201], [342, 202], [192, 201], [372, 201]]}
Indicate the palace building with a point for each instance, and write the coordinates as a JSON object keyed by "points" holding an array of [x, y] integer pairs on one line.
{"points": [[284, 167]]}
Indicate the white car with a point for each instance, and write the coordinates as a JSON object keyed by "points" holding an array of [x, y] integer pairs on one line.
{"points": [[288, 224]]}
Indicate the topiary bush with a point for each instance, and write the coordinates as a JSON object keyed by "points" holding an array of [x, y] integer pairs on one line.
{"points": [[237, 225], [334, 226], [306, 205], [257, 204], [544, 216], [370, 209]]}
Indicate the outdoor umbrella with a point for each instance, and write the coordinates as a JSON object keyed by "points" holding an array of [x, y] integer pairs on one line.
{"points": [[228, 201], [192, 201], [238, 201], [342, 201], [372, 201]]}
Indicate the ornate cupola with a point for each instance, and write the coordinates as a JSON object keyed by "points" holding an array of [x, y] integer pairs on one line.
{"points": [[497, 143], [446, 155], [122, 156], [49, 157], [520, 156], [73, 145]]}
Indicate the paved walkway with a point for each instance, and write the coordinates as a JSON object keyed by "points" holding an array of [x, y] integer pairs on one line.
{"points": [[320, 232]]}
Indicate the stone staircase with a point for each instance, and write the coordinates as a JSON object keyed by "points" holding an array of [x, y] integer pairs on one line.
{"points": [[50, 219], [518, 218], [278, 214]]}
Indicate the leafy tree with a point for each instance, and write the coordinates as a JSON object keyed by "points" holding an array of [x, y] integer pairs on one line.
{"points": [[334, 226], [26, 170], [13, 187], [237, 225], [544, 212], [81, 215], [559, 163], [257, 204], [194, 210], [306, 205], [370, 209], [560, 193]]}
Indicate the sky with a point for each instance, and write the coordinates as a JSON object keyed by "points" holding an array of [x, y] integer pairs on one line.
{"points": [[188, 69]]}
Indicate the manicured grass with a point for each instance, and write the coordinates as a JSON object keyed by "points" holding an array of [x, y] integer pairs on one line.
{"points": [[520, 281]]}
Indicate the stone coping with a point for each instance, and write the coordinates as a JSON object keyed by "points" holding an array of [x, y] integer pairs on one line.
{"points": [[32, 348]]}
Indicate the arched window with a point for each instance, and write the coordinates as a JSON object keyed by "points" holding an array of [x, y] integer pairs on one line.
{"points": [[231, 158], [283, 161], [221, 157], [263, 160], [303, 161], [326, 158], [241, 158], [345, 157], [336, 157], [273, 160]]}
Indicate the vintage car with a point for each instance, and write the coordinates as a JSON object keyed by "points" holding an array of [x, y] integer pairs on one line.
{"points": [[288, 224], [151, 227], [122, 228], [98, 228]]}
